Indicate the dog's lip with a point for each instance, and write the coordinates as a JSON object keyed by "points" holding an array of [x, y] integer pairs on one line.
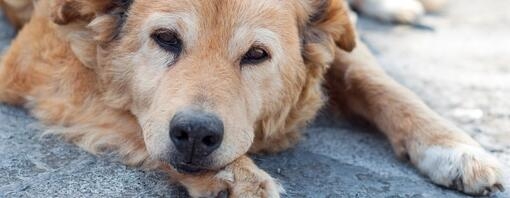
{"points": [[189, 168]]}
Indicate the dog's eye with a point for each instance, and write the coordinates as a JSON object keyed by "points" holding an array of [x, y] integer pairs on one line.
{"points": [[255, 55], [168, 40]]}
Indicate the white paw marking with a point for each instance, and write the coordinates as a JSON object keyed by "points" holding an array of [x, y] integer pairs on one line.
{"points": [[467, 168]]}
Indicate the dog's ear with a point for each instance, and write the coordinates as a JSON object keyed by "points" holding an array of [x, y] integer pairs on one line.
{"points": [[69, 11], [325, 25], [331, 17], [88, 24], [104, 17]]}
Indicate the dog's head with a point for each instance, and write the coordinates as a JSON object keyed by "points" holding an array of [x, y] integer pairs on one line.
{"points": [[202, 76]]}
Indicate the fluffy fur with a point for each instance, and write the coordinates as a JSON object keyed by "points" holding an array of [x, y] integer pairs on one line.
{"points": [[90, 70], [18, 12]]}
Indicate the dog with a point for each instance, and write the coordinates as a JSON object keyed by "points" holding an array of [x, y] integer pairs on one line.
{"points": [[193, 87]]}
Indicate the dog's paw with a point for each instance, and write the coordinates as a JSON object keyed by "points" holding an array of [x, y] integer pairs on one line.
{"points": [[469, 169], [245, 179], [203, 186], [242, 178]]}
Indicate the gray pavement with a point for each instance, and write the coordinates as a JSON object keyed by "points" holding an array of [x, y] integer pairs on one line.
{"points": [[462, 69]]}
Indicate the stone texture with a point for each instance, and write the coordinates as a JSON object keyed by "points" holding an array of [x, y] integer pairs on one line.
{"points": [[461, 69]]}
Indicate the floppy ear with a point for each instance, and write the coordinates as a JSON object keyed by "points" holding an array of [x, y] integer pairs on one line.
{"points": [[68, 11], [103, 17], [332, 17], [325, 25], [88, 24]]}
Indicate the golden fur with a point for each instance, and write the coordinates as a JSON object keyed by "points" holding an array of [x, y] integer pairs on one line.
{"points": [[17, 11], [91, 73]]}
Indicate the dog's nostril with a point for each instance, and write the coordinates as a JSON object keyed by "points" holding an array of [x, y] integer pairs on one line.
{"points": [[181, 135], [210, 140]]}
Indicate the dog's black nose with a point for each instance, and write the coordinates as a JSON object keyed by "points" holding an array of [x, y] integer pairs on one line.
{"points": [[196, 134]]}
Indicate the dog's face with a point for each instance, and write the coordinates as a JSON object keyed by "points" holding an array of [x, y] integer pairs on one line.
{"points": [[200, 75]]}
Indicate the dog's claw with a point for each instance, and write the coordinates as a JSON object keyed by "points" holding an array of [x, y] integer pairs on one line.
{"points": [[494, 189], [459, 185], [223, 194], [500, 187]]}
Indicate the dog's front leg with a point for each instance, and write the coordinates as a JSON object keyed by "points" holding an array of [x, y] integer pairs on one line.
{"points": [[242, 178], [443, 152], [8, 82]]}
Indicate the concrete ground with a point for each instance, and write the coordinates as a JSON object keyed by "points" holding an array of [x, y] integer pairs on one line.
{"points": [[461, 69]]}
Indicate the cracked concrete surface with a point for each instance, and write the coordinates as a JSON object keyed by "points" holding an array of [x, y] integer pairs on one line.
{"points": [[462, 70]]}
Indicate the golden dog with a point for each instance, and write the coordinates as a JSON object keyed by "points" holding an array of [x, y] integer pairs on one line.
{"points": [[192, 87]]}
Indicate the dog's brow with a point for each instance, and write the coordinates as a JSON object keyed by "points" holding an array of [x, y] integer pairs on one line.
{"points": [[182, 22], [245, 36]]}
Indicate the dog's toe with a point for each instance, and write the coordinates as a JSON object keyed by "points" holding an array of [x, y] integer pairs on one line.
{"points": [[500, 187], [458, 184], [250, 181]]}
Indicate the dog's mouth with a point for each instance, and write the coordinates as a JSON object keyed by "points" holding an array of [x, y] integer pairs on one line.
{"points": [[189, 168]]}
